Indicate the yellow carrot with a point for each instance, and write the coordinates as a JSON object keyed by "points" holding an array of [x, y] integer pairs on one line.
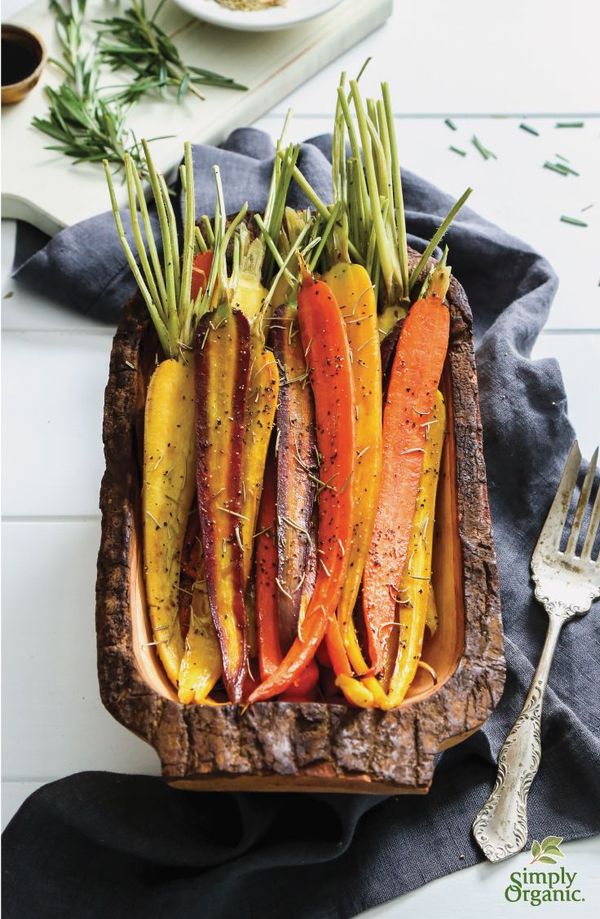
{"points": [[201, 666], [167, 494], [260, 416], [354, 293]]}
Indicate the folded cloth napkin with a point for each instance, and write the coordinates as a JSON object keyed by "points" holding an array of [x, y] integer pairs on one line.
{"points": [[100, 844]]}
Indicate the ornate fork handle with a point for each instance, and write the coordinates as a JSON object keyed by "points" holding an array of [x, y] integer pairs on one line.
{"points": [[500, 827]]}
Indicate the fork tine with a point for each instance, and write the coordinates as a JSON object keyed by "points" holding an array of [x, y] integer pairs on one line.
{"points": [[592, 532], [584, 497], [557, 515]]}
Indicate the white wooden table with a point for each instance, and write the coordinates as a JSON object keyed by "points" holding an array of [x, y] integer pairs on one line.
{"points": [[478, 62]]}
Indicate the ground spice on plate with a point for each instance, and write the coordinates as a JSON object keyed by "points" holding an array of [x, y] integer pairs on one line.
{"points": [[247, 6]]}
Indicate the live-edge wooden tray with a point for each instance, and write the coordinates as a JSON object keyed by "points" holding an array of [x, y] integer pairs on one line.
{"points": [[308, 746]]}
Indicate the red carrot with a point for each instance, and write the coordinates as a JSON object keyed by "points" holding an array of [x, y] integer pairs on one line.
{"points": [[222, 372], [328, 363], [413, 383], [267, 631], [296, 475], [269, 648]]}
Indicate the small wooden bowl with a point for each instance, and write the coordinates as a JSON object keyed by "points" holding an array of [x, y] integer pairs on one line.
{"points": [[306, 746], [32, 49]]}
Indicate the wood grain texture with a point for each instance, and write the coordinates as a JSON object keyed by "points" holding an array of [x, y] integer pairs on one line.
{"points": [[281, 746]]}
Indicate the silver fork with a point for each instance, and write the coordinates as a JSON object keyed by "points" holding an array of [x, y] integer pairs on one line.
{"points": [[566, 585]]}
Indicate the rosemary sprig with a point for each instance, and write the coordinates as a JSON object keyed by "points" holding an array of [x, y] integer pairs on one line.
{"points": [[135, 42], [83, 124]]}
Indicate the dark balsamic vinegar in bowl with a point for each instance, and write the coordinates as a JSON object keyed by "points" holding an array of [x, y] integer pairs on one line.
{"points": [[23, 58], [18, 62]]}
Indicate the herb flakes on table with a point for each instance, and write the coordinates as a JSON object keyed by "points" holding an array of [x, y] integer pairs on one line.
{"points": [[561, 168], [573, 221], [482, 149], [529, 129]]}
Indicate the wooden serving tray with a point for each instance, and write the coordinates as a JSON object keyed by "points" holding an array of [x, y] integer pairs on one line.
{"points": [[306, 746]]}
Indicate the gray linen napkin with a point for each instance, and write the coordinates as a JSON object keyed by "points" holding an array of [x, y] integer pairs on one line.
{"points": [[100, 844]]}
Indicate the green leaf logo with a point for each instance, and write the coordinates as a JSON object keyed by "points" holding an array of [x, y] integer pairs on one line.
{"points": [[546, 851]]}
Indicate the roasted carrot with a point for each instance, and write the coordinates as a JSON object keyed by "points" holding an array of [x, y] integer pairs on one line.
{"points": [[416, 580], [200, 272], [167, 494], [328, 362], [297, 475], [353, 290], [260, 416], [269, 647], [222, 370], [249, 293], [201, 665], [267, 632], [414, 379]]}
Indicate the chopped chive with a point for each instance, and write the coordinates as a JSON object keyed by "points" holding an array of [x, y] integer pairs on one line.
{"points": [[556, 167], [563, 158], [450, 124], [485, 153], [560, 168], [529, 129], [457, 150], [573, 221], [569, 124], [586, 208]]}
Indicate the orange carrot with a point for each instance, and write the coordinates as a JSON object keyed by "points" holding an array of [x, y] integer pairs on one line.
{"points": [[200, 272], [328, 362], [413, 384]]}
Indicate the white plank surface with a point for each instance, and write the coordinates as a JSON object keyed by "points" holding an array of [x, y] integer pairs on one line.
{"points": [[55, 368], [52, 394], [50, 670], [468, 56]]}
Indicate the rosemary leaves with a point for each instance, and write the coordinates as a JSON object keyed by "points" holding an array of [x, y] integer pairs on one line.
{"points": [[84, 125], [134, 41], [87, 121]]}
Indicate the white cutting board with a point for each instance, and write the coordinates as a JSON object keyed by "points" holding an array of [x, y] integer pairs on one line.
{"points": [[46, 189]]}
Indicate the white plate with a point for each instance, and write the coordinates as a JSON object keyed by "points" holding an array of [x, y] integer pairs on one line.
{"points": [[268, 20]]}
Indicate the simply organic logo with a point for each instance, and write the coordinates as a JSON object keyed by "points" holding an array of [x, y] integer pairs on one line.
{"points": [[537, 886]]}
